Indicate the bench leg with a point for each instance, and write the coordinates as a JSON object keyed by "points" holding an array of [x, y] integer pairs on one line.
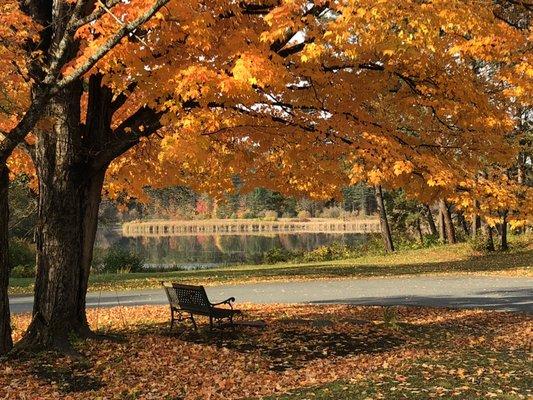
{"points": [[210, 323], [194, 323], [172, 319]]}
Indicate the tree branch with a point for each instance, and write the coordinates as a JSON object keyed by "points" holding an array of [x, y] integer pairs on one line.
{"points": [[50, 87], [25, 125], [110, 44], [143, 123], [97, 13]]}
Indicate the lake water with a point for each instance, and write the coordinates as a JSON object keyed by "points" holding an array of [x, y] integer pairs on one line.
{"points": [[210, 251]]}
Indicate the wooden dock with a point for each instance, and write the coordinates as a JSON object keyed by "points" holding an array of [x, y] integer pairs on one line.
{"points": [[159, 228]]}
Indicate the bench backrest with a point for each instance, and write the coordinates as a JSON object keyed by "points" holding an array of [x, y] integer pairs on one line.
{"points": [[187, 297]]}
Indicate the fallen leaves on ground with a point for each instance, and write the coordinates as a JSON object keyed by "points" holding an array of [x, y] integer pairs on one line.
{"points": [[301, 346]]}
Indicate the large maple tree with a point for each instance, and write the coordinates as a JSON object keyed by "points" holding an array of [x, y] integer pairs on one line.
{"points": [[302, 97], [43, 64]]}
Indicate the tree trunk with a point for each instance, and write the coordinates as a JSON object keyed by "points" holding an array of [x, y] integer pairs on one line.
{"points": [[447, 222], [419, 231], [503, 235], [489, 242], [383, 221], [91, 203], [5, 320], [71, 165], [463, 223], [442, 227], [100, 111], [60, 227], [476, 225], [364, 205], [431, 221]]}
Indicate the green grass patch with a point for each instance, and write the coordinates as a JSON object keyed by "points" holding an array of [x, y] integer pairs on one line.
{"points": [[475, 374], [459, 258]]}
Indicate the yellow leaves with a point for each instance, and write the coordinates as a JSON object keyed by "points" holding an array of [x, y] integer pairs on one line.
{"points": [[356, 174], [253, 69], [402, 167], [443, 178], [194, 83], [361, 12], [311, 51], [375, 177], [411, 111], [243, 70], [20, 163]]}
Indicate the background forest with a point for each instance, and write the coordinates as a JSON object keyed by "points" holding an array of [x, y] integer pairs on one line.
{"points": [[412, 223]]}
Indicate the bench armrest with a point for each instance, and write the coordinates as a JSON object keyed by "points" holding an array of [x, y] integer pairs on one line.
{"points": [[227, 301]]}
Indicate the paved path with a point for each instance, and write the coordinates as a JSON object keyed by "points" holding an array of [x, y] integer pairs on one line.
{"points": [[499, 293]]}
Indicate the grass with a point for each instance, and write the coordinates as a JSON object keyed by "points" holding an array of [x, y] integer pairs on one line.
{"points": [[459, 258], [477, 374]]}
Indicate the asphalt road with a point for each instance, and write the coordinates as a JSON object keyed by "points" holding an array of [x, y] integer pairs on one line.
{"points": [[499, 293]]}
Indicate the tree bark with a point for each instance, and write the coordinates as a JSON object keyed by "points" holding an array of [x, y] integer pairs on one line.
{"points": [[6, 342], [384, 223], [431, 221], [463, 223], [60, 228], [442, 226], [476, 225], [489, 242], [364, 206], [100, 109], [90, 206], [419, 231], [503, 235], [71, 164], [447, 222]]}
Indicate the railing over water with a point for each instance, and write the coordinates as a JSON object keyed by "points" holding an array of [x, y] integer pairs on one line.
{"points": [[158, 228]]}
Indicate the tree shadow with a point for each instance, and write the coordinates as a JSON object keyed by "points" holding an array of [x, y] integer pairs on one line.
{"points": [[516, 300], [69, 374], [478, 263], [291, 344], [290, 340], [68, 379]]}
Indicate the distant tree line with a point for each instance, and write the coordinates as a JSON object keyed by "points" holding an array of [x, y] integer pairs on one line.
{"points": [[404, 219]]}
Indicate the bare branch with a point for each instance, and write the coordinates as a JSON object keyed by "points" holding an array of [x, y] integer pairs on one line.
{"points": [[97, 13], [61, 49], [112, 42]]}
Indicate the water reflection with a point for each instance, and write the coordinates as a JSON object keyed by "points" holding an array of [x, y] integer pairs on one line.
{"points": [[215, 250]]}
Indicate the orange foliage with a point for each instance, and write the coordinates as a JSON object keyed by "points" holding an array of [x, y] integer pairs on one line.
{"points": [[300, 346], [307, 98]]}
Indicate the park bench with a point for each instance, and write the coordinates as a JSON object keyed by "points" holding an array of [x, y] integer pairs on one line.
{"points": [[192, 300]]}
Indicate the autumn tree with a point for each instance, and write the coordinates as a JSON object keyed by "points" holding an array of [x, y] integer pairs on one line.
{"points": [[39, 42], [305, 98], [94, 108]]}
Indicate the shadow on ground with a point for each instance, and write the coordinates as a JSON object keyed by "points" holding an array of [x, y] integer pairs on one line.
{"points": [[518, 300], [294, 344]]}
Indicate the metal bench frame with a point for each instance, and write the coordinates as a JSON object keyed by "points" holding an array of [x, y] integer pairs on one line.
{"points": [[190, 300]]}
